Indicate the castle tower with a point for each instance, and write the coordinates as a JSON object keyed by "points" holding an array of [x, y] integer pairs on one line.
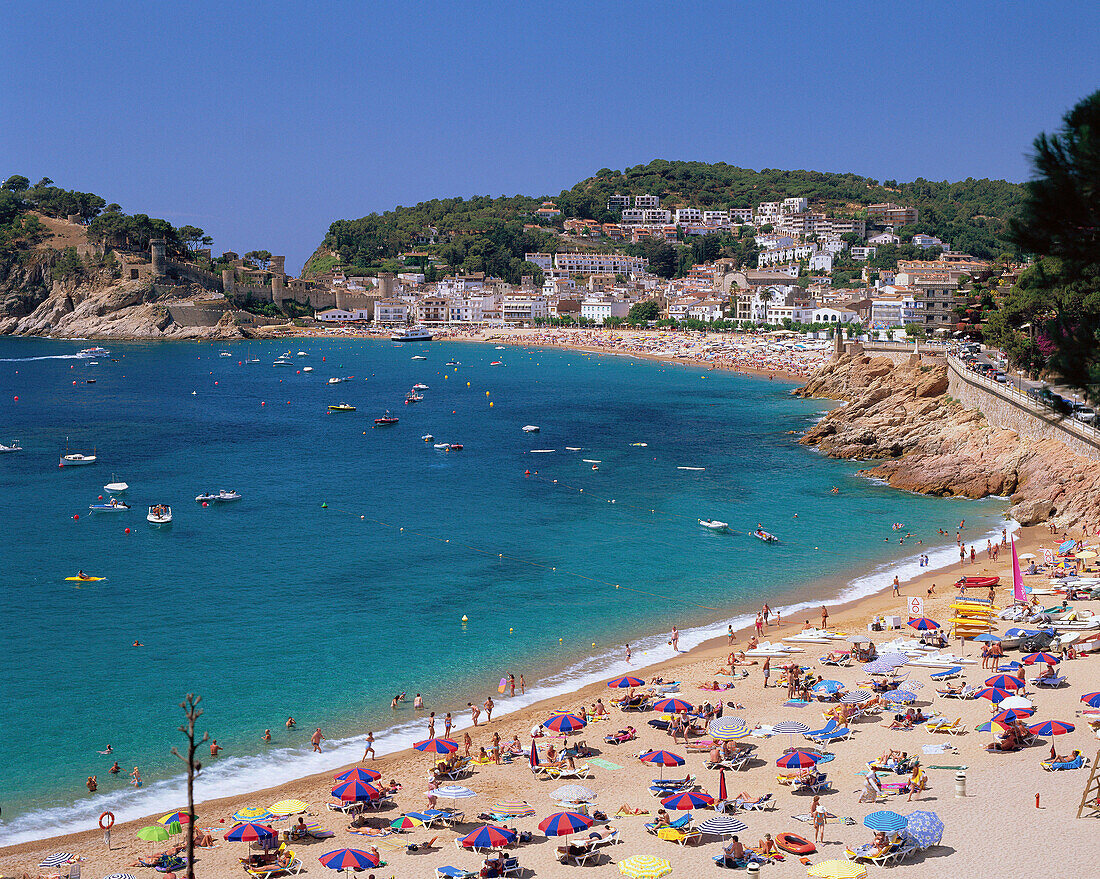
{"points": [[158, 254]]}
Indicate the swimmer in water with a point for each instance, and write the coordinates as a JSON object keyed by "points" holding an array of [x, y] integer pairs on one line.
{"points": [[290, 723], [267, 735], [107, 750], [138, 644]]}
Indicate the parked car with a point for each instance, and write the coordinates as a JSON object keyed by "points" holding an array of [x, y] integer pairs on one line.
{"points": [[1000, 377], [1084, 413]]}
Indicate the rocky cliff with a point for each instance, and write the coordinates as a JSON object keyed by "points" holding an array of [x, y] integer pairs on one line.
{"points": [[923, 441]]}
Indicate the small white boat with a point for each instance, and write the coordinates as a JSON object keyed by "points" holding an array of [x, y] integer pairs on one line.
{"points": [[307, 369], [419, 357], [413, 397], [413, 334], [229, 495], [303, 354], [160, 514], [335, 381], [116, 487], [206, 497], [941, 660], [715, 525], [814, 636], [75, 459], [420, 386], [761, 534], [111, 506], [500, 348], [281, 362], [542, 451], [691, 468], [224, 354], [428, 438], [530, 428], [443, 447], [14, 447]]}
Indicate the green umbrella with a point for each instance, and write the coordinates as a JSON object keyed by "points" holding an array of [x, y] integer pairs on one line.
{"points": [[174, 828], [153, 833]]}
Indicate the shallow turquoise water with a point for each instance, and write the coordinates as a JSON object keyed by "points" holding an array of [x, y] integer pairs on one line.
{"points": [[275, 605]]}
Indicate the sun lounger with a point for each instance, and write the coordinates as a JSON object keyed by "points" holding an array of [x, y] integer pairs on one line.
{"points": [[612, 838], [510, 867], [966, 692], [620, 737], [754, 804], [583, 771], [454, 873], [269, 872], [947, 674], [688, 836], [956, 727], [813, 783], [838, 659], [679, 824], [1051, 682], [1078, 762], [674, 783], [580, 854]]}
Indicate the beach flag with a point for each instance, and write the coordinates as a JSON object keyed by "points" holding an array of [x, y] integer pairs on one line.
{"points": [[1017, 577]]}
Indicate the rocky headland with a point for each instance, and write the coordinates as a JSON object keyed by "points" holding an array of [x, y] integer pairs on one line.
{"points": [[920, 439]]}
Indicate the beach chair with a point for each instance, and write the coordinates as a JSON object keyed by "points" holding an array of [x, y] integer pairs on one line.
{"points": [[837, 735], [620, 737], [679, 824], [966, 692], [1051, 682], [510, 867], [579, 854], [947, 674], [956, 727], [825, 730], [270, 872], [454, 873], [754, 804], [814, 783], [1077, 762], [687, 836], [604, 841], [558, 772]]}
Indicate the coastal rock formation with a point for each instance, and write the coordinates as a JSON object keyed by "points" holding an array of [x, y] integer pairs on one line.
{"points": [[923, 441]]}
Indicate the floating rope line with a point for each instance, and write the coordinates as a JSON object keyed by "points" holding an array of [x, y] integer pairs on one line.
{"points": [[502, 556]]}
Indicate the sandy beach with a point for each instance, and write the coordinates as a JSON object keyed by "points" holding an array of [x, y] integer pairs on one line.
{"points": [[994, 828]]}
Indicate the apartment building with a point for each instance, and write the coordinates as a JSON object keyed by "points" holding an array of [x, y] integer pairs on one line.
{"points": [[647, 201], [929, 241], [599, 263], [598, 310], [686, 216], [935, 296], [523, 309], [890, 214], [657, 216], [863, 253], [792, 253], [633, 217], [618, 202], [794, 205], [740, 215], [716, 218], [391, 311], [544, 261]]}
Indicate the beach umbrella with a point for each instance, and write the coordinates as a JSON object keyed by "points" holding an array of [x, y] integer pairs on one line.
{"points": [[722, 785], [644, 867], [564, 823], [837, 869], [719, 825], [564, 723], [350, 791], [924, 828], [534, 754], [250, 813], [1066, 546], [406, 822], [1048, 658], [1052, 728], [288, 807], [899, 696], [672, 706], [829, 687], [798, 759], [512, 810], [1004, 682], [56, 860], [249, 832], [858, 639], [452, 792], [986, 637], [349, 859], [153, 833], [790, 728], [855, 697], [487, 837], [573, 793], [121, 876], [1010, 715], [728, 728], [879, 668], [1091, 699], [174, 828], [359, 774], [1016, 702], [894, 658], [923, 624], [437, 746], [626, 682], [662, 759], [993, 694], [174, 818], [685, 802], [988, 726], [886, 821], [912, 686]]}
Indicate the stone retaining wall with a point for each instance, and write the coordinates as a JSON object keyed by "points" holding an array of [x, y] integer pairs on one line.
{"points": [[1006, 407]]}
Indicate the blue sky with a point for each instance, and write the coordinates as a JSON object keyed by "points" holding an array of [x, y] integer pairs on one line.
{"points": [[262, 123]]}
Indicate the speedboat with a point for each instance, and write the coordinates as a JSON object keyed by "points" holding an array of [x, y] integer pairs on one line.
{"points": [[14, 447], [413, 334], [640, 445], [386, 419], [91, 353], [281, 362], [111, 506], [496, 363], [443, 447], [761, 534], [223, 354], [453, 363], [230, 495], [75, 459], [715, 525], [500, 348], [412, 397], [206, 498], [303, 354], [419, 357], [530, 428], [420, 386], [335, 381], [456, 447], [307, 369], [161, 514], [341, 407], [116, 487]]}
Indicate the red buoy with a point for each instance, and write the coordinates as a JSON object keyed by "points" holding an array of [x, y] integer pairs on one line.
{"points": [[127, 530]]}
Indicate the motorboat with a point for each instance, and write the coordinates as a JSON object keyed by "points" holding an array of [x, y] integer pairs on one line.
{"points": [[115, 487], [453, 363], [413, 334], [92, 353], [307, 369], [341, 407], [14, 447], [413, 397], [442, 447], [761, 534], [428, 438], [75, 459], [223, 354], [303, 354], [112, 506], [496, 363], [160, 514], [530, 428], [456, 447], [224, 496], [715, 525], [420, 386], [335, 381], [640, 445], [419, 357], [500, 348], [386, 419], [206, 498], [282, 362]]}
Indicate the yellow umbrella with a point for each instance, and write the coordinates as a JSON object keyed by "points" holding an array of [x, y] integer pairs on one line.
{"points": [[645, 867], [838, 870], [288, 807]]}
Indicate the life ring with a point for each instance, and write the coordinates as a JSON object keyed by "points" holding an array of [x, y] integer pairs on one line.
{"points": [[107, 820], [794, 844]]}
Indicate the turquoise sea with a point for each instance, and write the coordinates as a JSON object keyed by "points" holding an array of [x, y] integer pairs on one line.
{"points": [[277, 605]]}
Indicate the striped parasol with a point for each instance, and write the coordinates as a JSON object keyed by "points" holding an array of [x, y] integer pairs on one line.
{"points": [[687, 801], [626, 682], [1052, 728], [121, 876], [885, 820], [837, 869], [856, 697], [564, 823], [351, 791], [1004, 682], [56, 860], [644, 867], [798, 760], [406, 822], [790, 728], [512, 810], [488, 836], [672, 706], [993, 694], [719, 825], [899, 696], [894, 659], [564, 723], [728, 728], [250, 813], [349, 859], [249, 833], [437, 746], [288, 807], [359, 774], [173, 818]]}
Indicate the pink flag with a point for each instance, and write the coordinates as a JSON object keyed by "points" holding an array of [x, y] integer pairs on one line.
{"points": [[1017, 577]]}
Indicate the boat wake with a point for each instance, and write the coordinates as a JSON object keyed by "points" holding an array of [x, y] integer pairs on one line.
{"points": [[44, 357]]}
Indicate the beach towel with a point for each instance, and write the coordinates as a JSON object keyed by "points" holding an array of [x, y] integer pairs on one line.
{"points": [[604, 764], [937, 749]]}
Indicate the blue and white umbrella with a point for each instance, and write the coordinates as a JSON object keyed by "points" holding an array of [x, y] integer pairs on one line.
{"points": [[886, 821], [899, 696], [728, 728], [790, 728], [924, 828], [121, 876], [911, 686], [986, 637], [856, 697], [452, 792], [56, 860], [719, 825], [879, 668], [828, 687], [894, 659]]}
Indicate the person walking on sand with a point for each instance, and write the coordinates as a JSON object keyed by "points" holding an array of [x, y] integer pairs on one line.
{"points": [[767, 669], [675, 639], [369, 749], [972, 555], [824, 618], [766, 612], [896, 586], [467, 743], [729, 635], [447, 725], [818, 815], [475, 712], [489, 706], [759, 625], [316, 740]]}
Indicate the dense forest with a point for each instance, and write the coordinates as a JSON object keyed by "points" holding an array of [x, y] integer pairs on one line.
{"points": [[487, 234]]}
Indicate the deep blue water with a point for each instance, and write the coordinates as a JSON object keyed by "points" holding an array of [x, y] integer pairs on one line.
{"points": [[276, 605]]}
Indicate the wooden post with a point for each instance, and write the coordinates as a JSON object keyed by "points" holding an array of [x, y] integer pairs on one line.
{"points": [[191, 710]]}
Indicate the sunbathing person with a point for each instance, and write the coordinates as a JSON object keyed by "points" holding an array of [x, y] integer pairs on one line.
{"points": [[766, 846]]}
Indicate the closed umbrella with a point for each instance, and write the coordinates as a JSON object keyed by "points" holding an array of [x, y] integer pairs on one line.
{"points": [[644, 867], [687, 801], [626, 682], [174, 828], [672, 706], [837, 869], [720, 825], [728, 728], [722, 785], [886, 821], [924, 828]]}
